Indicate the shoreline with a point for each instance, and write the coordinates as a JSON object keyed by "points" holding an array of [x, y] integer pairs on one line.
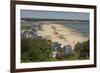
{"points": [[63, 35]]}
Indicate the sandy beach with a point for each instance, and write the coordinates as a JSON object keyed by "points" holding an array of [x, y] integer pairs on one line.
{"points": [[59, 33]]}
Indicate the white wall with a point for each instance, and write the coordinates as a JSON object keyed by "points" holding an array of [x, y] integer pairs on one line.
{"points": [[5, 36]]}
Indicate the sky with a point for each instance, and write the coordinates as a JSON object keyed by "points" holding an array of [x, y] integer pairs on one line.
{"points": [[54, 15]]}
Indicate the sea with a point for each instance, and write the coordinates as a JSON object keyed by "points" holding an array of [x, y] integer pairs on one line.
{"points": [[81, 27]]}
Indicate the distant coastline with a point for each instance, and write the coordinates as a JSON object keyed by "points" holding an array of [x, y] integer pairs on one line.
{"points": [[47, 19]]}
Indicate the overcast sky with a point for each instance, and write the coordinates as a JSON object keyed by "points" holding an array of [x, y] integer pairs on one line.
{"points": [[54, 15]]}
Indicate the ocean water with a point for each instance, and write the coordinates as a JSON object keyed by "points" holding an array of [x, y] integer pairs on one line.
{"points": [[81, 27]]}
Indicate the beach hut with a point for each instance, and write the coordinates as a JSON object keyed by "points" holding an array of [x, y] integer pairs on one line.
{"points": [[67, 49], [55, 47]]}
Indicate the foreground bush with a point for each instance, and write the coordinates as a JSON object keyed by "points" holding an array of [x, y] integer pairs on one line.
{"points": [[35, 50], [82, 50]]}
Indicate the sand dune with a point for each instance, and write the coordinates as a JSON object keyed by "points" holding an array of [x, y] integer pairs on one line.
{"points": [[59, 33]]}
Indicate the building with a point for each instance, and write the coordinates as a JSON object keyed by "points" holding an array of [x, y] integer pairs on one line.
{"points": [[60, 52], [67, 49]]}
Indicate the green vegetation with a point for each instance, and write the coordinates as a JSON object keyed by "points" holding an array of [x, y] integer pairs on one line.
{"points": [[39, 50], [70, 56], [25, 27], [35, 50], [81, 50]]}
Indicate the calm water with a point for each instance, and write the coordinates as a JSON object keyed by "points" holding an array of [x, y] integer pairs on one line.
{"points": [[81, 27]]}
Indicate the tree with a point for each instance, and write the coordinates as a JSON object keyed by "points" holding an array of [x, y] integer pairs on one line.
{"points": [[82, 50], [35, 50]]}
